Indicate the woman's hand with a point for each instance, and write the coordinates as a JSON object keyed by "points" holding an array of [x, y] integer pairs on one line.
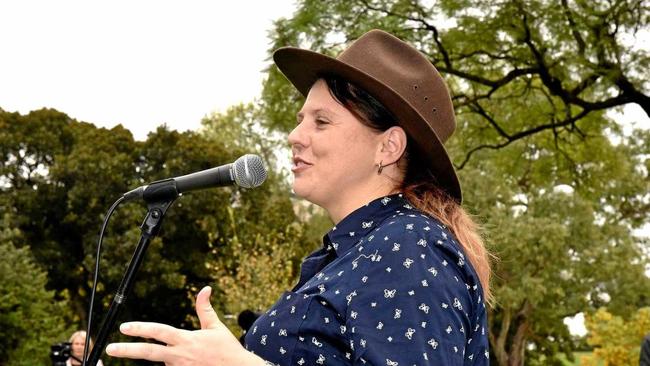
{"points": [[213, 345]]}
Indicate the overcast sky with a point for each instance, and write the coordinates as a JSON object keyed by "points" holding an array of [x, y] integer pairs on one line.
{"points": [[140, 63]]}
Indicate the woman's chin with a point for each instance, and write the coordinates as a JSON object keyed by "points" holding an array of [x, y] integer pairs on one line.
{"points": [[297, 192], [301, 191], [297, 187]]}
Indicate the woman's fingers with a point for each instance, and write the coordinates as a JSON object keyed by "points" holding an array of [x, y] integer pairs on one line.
{"points": [[213, 345], [207, 316], [144, 351], [160, 332], [182, 340]]}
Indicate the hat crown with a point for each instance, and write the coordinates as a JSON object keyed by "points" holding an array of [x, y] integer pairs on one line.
{"points": [[409, 73]]}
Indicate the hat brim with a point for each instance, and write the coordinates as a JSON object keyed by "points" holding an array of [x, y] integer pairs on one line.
{"points": [[303, 67]]}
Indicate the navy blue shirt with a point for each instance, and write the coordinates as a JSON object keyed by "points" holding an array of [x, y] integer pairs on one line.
{"points": [[390, 286]]}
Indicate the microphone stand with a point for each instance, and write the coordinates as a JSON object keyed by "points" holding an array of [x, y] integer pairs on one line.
{"points": [[159, 197]]}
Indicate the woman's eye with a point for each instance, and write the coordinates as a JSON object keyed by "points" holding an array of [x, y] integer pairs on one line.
{"points": [[320, 121]]}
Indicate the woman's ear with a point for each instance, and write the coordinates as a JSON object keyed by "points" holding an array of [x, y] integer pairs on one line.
{"points": [[393, 145]]}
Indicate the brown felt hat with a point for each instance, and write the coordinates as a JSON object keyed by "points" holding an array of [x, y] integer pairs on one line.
{"points": [[398, 76]]}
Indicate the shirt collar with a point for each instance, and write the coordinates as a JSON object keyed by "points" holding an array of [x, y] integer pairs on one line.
{"points": [[361, 221]]}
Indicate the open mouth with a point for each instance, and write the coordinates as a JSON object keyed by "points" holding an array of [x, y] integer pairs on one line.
{"points": [[299, 164]]}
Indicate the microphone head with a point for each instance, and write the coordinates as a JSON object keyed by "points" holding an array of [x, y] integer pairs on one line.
{"points": [[249, 171]]}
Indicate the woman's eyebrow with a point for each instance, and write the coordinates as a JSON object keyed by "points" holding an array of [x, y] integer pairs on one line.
{"points": [[328, 113]]}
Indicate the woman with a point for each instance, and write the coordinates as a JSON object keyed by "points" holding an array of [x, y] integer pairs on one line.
{"points": [[402, 277], [78, 343]]}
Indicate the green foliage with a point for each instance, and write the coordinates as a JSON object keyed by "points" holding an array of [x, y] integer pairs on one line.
{"points": [[62, 175], [616, 341], [531, 82], [30, 318], [265, 270], [59, 176]]}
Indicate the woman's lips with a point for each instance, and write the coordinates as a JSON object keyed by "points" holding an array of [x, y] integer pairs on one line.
{"points": [[299, 165]]}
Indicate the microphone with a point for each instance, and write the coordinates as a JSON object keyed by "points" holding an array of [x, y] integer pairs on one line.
{"points": [[247, 172]]}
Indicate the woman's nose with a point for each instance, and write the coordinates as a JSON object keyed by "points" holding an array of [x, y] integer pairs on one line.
{"points": [[297, 136]]}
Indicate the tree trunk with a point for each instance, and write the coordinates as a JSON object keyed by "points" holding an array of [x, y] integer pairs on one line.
{"points": [[79, 306], [509, 349], [518, 349], [498, 342], [518, 343], [80, 303]]}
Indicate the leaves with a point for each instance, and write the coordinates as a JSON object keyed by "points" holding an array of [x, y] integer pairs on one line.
{"points": [[531, 83], [31, 319], [616, 340], [56, 195]]}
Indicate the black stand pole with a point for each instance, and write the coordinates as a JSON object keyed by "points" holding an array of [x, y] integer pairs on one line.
{"points": [[150, 228]]}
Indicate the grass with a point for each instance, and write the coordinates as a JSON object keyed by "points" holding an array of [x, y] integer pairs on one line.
{"points": [[578, 356]]}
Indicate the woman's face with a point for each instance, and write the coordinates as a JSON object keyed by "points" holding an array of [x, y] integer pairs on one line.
{"points": [[78, 346], [333, 152]]}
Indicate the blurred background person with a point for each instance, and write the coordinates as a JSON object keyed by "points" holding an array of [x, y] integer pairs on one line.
{"points": [[78, 343], [245, 320]]}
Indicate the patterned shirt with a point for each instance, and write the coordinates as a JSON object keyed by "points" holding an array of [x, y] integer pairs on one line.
{"points": [[390, 286]]}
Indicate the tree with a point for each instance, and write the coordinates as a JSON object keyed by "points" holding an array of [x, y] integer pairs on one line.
{"points": [[567, 60], [55, 172], [59, 177], [531, 83], [31, 320], [263, 272], [616, 340]]}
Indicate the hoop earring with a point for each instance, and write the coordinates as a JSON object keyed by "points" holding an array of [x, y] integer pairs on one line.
{"points": [[381, 167]]}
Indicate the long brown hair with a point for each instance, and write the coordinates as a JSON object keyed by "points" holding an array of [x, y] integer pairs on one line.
{"points": [[419, 185]]}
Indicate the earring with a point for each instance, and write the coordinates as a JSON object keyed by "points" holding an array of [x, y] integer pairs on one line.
{"points": [[381, 167]]}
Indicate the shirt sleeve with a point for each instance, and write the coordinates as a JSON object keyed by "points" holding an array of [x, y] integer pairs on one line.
{"points": [[412, 306]]}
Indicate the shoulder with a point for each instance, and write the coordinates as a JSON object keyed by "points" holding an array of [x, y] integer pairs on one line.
{"points": [[413, 238], [412, 230], [412, 220]]}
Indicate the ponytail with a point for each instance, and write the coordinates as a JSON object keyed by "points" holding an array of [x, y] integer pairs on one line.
{"points": [[430, 199]]}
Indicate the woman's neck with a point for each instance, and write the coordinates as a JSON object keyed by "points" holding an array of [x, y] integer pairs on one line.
{"points": [[348, 203]]}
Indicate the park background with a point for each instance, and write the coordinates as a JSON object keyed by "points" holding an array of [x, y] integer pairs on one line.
{"points": [[552, 147]]}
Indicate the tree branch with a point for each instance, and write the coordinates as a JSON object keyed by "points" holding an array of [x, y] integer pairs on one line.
{"points": [[476, 107], [555, 85], [495, 84], [574, 28], [427, 26], [520, 135], [540, 66]]}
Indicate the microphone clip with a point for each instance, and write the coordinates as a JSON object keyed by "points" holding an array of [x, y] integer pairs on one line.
{"points": [[162, 190]]}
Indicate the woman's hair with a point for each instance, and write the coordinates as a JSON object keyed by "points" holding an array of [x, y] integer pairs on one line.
{"points": [[82, 334], [419, 185]]}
